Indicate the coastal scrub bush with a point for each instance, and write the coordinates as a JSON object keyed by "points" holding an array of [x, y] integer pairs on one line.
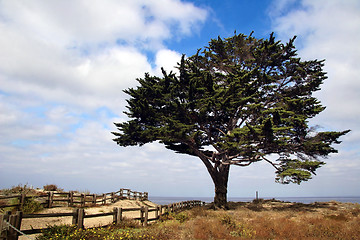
{"points": [[19, 189], [227, 221], [237, 229], [58, 232], [198, 212], [52, 187], [356, 211], [181, 216], [208, 228], [31, 205], [63, 232]]}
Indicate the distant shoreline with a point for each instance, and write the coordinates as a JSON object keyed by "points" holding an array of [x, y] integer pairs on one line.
{"points": [[306, 200]]}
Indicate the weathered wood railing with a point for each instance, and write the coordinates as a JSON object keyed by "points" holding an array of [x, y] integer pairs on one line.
{"points": [[10, 224], [71, 199]]}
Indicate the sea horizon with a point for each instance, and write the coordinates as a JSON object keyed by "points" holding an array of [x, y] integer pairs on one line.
{"points": [[168, 200]]}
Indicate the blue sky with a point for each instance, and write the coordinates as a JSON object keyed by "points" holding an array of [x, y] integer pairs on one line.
{"points": [[64, 64]]}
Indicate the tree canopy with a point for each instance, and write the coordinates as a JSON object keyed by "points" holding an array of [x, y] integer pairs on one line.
{"points": [[238, 101]]}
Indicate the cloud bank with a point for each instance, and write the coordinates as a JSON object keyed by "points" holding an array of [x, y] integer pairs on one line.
{"points": [[330, 30], [63, 67]]}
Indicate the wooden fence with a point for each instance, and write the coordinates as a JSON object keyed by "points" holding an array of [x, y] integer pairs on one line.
{"points": [[10, 224], [72, 199]]}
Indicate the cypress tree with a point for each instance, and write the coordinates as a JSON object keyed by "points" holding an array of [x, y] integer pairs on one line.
{"points": [[235, 102]]}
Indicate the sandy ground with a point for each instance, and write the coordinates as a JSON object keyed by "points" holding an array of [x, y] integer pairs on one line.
{"points": [[36, 223]]}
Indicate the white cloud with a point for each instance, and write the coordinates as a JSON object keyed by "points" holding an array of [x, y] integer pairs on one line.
{"points": [[113, 70], [63, 66], [168, 60], [63, 50], [330, 30], [74, 23]]}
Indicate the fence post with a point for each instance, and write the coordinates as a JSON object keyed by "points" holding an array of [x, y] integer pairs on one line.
{"points": [[112, 197], [21, 201], [94, 199], [83, 200], [144, 215], [12, 234], [104, 199], [121, 193], [19, 216], [75, 214], [160, 211], [15, 221], [157, 212], [120, 218], [50, 199], [117, 217], [71, 198], [80, 212], [3, 226]]}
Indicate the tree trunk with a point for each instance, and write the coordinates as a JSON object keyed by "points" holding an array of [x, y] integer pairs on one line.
{"points": [[220, 177]]}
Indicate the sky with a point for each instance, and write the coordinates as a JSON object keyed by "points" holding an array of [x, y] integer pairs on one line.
{"points": [[64, 64]]}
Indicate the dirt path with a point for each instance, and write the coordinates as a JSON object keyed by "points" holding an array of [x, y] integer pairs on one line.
{"points": [[36, 223]]}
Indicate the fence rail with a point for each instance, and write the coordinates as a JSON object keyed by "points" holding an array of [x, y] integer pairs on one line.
{"points": [[72, 199], [79, 214]]}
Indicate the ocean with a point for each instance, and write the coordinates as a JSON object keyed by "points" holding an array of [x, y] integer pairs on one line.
{"points": [[168, 200]]}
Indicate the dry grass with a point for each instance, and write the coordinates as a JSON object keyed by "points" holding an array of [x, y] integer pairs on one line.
{"points": [[270, 220], [263, 220]]}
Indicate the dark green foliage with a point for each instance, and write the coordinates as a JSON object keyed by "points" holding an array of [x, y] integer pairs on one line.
{"points": [[62, 232], [241, 97], [57, 232], [31, 205]]}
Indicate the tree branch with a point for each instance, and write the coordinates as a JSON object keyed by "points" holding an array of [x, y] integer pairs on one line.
{"points": [[241, 162], [273, 164]]}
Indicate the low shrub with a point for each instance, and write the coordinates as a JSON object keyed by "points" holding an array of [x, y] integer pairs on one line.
{"points": [[19, 189], [52, 187], [198, 212], [31, 206], [181, 217], [62, 232], [258, 200], [227, 221]]}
